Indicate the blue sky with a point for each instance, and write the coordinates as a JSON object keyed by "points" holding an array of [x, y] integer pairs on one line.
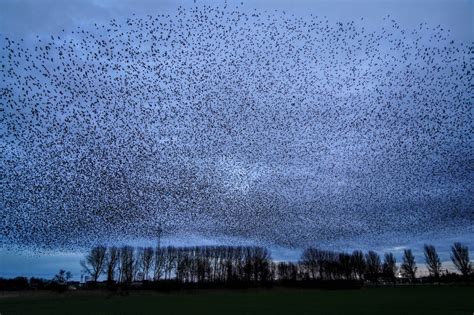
{"points": [[278, 142], [50, 16]]}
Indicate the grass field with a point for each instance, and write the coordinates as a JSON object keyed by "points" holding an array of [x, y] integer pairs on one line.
{"points": [[400, 300]]}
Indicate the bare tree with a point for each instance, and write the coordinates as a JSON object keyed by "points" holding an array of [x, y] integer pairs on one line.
{"points": [[324, 262], [345, 265], [170, 265], [95, 262], [127, 264], [309, 261], [159, 263], [111, 262], [287, 271], [374, 265], [358, 264], [145, 260], [433, 263], [460, 258], [389, 267], [261, 260], [182, 264], [408, 266]]}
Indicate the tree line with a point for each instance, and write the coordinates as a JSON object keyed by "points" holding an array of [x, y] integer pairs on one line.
{"points": [[242, 266], [198, 264], [254, 265]]}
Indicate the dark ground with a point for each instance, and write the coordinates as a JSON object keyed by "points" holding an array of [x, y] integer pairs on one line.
{"points": [[400, 300]]}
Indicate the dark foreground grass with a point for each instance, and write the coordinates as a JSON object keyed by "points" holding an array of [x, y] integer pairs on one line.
{"points": [[400, 300]]}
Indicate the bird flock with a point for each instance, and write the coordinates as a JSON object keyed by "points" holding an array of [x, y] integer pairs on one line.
{"points": [[235, 126]]}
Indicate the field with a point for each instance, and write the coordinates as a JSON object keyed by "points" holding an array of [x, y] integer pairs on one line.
{"points": [[400, 300]]}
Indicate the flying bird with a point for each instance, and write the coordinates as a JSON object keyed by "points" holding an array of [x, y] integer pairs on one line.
{"points": [[234, 126]]}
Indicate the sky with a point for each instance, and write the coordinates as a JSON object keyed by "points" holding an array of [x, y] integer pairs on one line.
{"points": [[338, 124]]}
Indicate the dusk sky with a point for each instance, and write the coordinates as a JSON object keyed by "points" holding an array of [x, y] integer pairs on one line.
{"points": [[338, 124]]}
